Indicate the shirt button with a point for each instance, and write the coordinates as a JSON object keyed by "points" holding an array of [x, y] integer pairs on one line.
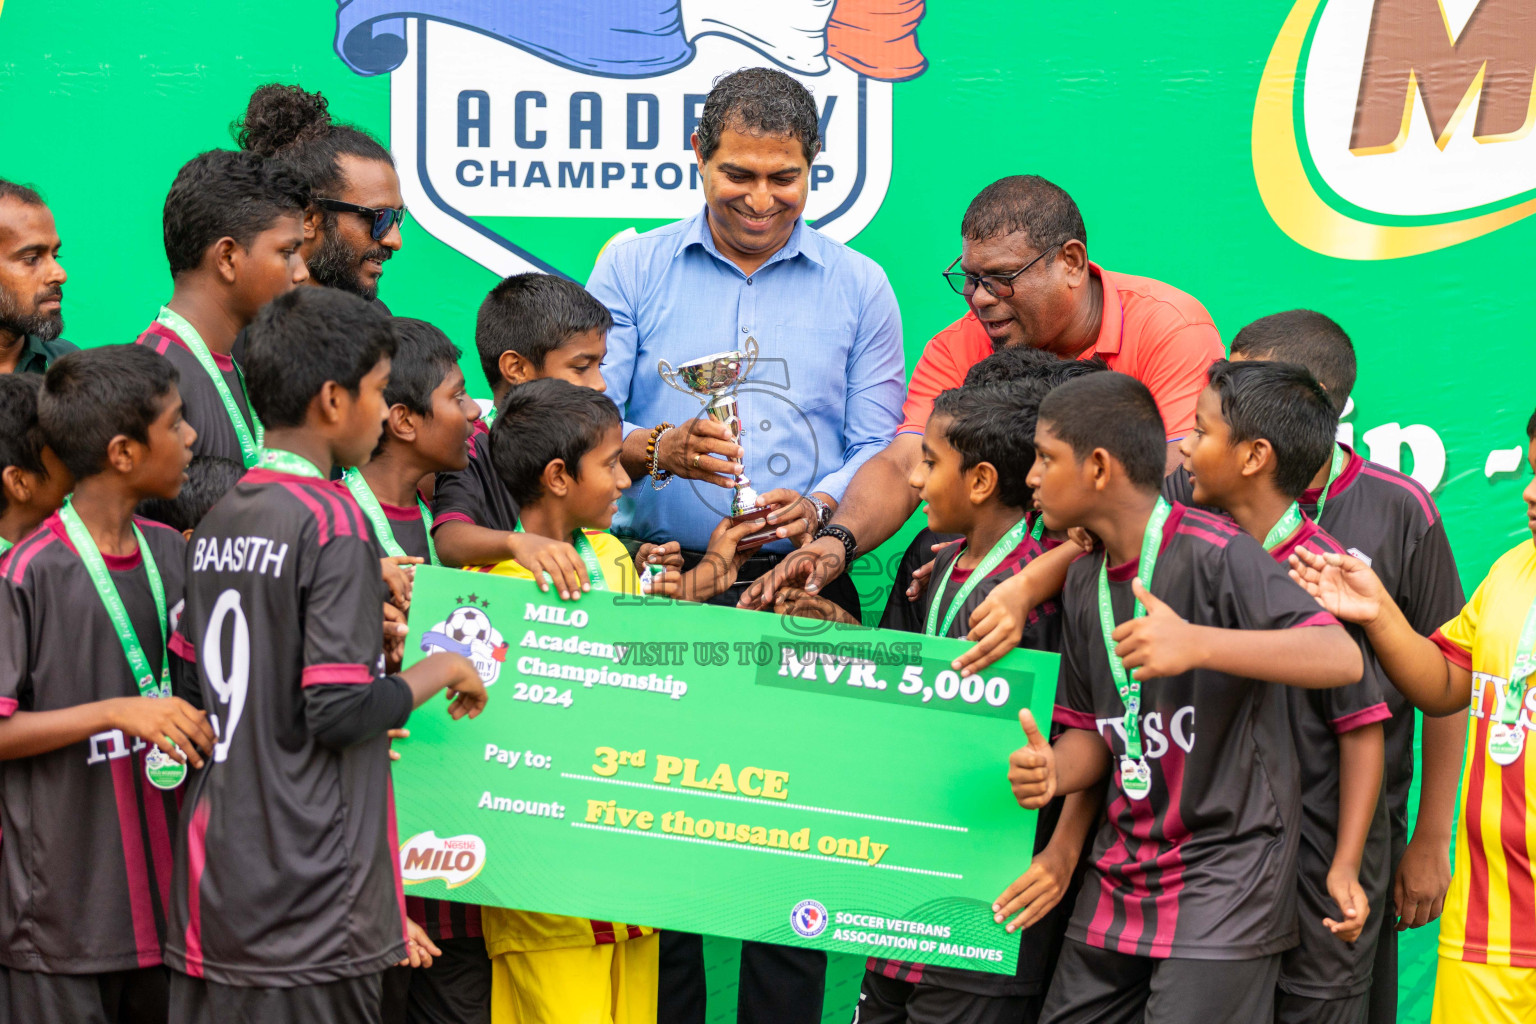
{"points": [[745, 331], [749, 282]]}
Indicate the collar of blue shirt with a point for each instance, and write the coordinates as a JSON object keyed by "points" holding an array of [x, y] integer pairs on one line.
{"points": [[801, 243]]}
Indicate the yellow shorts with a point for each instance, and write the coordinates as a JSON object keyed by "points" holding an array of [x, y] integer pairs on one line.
{"points": [[614, 983], [1466, 993]]}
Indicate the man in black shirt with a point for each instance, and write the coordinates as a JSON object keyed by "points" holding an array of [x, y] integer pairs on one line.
{"points": [[31, 283]]}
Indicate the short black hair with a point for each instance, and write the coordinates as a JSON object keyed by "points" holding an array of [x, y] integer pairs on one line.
{"points": [[1530, 428], [533, 314], [223, 193], [544, 420], [1115, 412], [423, 357], [304, 338], [209, 478], [21, 193], [1283, 404], [21, 439], [995, 423], [91, 396], [759, 101], [295, 127], [1024, 202], [1024, 362], [1307, 337]]}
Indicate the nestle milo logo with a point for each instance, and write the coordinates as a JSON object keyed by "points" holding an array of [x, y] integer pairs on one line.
{"points": [[1387, 128]]}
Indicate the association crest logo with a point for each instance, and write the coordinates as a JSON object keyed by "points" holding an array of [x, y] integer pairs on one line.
{"points": [[467, 630], [455, 859], [808, 919], [1388, 128], [503, 112]]}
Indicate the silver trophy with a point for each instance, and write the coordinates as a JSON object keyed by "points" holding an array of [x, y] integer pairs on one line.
{"points": [[713, 379]]}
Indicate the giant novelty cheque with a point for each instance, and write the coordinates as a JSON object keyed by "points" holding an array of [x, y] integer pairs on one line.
{"points": [[717, 771]]}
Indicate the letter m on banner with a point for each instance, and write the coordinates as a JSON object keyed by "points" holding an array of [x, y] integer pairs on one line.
{"points": [[527, 134]]}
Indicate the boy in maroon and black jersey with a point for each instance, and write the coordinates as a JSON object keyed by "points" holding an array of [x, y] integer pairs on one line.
{"points": [[233, 226], [287, 902], [1261, 428], [33, 481], [87, 601], [426, 432], [1191, 896], [1388, 520], [530, 326], [976, 450]]}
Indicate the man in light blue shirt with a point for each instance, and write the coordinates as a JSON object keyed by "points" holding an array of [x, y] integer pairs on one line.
{"points": [[825, 396], [827, 389]]}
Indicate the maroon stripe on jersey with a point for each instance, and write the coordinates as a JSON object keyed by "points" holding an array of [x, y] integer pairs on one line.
{"points": [[445, 918], [329, 674], [8, 707], [1406, 483], [1171, 861], [450, 517], [136, 864], [602, 932], [1135, 878], [1453, 652], [1475, 940], [634, 932], [1070, 719], [358, 522], [181, 647], [1360, 719], [1114, 857], [160, 851], [197, 857], [341, 523], [1320, 619], [322, 515], [160, 337], [394, 861], [1199, 530], [22, 554], [416, 910], [401, 514], [1517, 860]]}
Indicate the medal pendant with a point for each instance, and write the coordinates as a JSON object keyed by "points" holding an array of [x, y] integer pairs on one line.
{"points": [[1135, 778], [162, 770], [1505, 742]]}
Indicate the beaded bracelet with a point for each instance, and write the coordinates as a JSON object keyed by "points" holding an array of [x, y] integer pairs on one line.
{"points": [[659, 477]]}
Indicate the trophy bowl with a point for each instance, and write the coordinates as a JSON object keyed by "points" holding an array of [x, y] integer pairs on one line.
{"points": [[712, 374]]}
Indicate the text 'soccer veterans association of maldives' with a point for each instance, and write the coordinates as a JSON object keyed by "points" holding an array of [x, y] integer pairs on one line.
{"points": [[711, 770]]}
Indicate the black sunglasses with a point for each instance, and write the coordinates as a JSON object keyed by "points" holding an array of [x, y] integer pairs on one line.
{"points": [[998, 285], [382, 219]]}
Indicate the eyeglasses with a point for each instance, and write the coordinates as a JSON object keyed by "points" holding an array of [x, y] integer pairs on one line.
{"points": [[999, 286], [382, 219]]}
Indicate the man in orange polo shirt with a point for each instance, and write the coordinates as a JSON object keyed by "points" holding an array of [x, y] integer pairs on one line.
{"points": [[1024, 271]]}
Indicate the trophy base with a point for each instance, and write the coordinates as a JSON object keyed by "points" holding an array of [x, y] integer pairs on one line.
{"points": [[753, 541]]}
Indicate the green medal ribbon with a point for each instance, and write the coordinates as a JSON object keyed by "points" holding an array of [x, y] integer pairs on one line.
{"points": [[369, 503], [1288, 524], [1135, 776], [993, 558], [588, 555], [5, 545], [288, 462], [1038, 530], [250, 446], [1506, 737], [1335, 467], [489, 417], [164, 772]]}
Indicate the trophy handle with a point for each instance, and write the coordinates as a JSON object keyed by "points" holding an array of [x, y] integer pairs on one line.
{"points": [[749, 353], [668, 374]]}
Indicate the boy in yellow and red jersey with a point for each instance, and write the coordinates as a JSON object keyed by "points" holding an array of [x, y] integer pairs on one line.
{"points": [[1481, 659], [556, 448]]}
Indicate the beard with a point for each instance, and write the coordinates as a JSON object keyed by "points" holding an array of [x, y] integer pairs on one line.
{"points": [[46, 326], [337, 265]]}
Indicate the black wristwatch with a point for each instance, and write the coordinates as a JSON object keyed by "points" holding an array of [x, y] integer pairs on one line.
{"points": [[845, 535]]}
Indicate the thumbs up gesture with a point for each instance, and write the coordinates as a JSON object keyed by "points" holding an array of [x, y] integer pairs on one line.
{"points": [[1032, 768], [1159, 643]]}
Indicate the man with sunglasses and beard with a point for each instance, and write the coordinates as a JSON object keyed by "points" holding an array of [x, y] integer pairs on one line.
{"points": [[1024, 272], [352, 226], [31, 283]]}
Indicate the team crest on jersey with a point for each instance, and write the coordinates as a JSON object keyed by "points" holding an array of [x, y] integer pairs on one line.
{"points": [[468, 631], [584, 108], [808, 919], [456, 860]]}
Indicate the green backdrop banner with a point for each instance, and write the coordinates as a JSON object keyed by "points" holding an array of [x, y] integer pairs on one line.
{"points": [[837, 788], [1245, 153]]}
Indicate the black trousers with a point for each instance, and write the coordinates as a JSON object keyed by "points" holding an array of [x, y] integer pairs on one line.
{"points": [[779, 984]]}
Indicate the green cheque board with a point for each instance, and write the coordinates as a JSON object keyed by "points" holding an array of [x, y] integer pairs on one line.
{"points": [[718, 771]]}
